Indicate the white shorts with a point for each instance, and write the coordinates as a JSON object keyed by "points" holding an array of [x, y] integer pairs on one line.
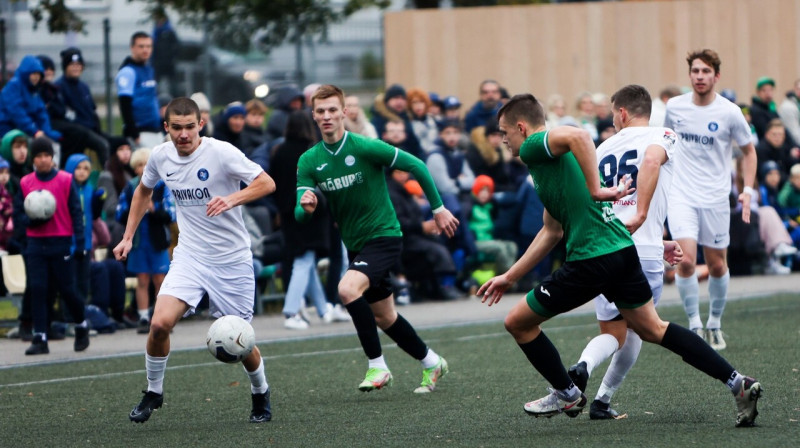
{"points": [[230, 288], [708, 226], [653, 270]]}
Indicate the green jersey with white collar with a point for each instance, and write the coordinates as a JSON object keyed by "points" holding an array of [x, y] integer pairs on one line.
{"points": [[350, 174]]}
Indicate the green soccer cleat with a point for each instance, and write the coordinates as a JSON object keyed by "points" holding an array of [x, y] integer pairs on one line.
{"points": [[431, 376], [376, 378]]}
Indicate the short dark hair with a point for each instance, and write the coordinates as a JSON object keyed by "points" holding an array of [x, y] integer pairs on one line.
{"points": [[710, 57], [522, 107], [635, 99], [138, 35], [181, 106], [327, 91]]}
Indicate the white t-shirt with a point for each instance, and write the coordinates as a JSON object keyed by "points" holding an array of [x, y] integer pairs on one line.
{"points": [[703, 162], [623, 154], [215, 168]]}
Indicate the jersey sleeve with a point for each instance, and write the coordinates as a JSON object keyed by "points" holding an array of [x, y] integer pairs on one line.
{"points": [[535, 149], [381, 152], [150, 176], [305, 182], [126, 81], [238, 166], [740, 130], [666, 139]]}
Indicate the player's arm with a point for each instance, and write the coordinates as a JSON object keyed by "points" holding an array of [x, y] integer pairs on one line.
{"points": [[139, 206], [547, 238], [647, 180], [261, 186], [564, 139], [306, 198], [445, 220], [749, 163]]}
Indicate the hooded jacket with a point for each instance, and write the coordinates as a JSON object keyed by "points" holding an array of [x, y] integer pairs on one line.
{"points": [[18, 171], [91, 199], [21, 106]]}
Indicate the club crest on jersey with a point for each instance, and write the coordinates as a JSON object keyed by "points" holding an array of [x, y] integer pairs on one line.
{"points": [[202, 174], [669, 137], [713, 126], [349, 160]]}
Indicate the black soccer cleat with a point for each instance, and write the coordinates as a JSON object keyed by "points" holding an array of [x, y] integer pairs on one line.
{"points": [[150, 402], [38, 346], [602, 411], [580, 377], [81, 339], [261, 412]]}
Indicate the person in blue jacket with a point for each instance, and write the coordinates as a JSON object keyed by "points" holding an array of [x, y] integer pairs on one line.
{"points": [[21, 107]]}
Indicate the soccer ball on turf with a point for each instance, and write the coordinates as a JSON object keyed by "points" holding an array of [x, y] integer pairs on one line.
{"points": [[230, 339], [40, 204]]}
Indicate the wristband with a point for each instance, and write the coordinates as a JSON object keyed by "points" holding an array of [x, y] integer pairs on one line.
{"points": [[750, 191], [439, 209]]}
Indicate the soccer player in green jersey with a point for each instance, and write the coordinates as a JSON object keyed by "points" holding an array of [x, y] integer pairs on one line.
{"points": [[349, 169], [601, 259]]}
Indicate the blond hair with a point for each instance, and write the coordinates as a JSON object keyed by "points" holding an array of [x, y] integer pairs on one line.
{"points": [[140, 157]]}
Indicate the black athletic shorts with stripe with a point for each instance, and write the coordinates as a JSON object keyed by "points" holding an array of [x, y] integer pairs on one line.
{"points": [[617, 275], [376, 260]]}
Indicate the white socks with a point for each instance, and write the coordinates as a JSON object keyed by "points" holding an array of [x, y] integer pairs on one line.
{"points": [[378, 363], [621, 363], [718, 295], [430, 359], [156, 366], [598, 350], [689, 290], [144, 314], [258, 380]]}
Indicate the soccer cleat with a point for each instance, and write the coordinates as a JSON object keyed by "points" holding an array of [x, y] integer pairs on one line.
{"points": [[143, 327], [580, 377], [38, 346], [746, 400], [551, 405], [150, 402], [81, 339], [601, 411], [262, 411], [700, 332], [431, 376], [376, 378], [715, 339]]}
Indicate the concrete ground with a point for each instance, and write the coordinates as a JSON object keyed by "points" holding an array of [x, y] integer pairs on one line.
{"points": [[190, 334]]}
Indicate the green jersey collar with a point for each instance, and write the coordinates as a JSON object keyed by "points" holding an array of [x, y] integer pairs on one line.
{"points": [[341, 144]]}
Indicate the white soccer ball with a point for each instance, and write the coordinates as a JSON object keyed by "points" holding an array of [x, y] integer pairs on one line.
{"points": [[230, 339], [40, 204]]}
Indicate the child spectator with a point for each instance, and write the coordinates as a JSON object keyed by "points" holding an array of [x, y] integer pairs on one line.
{"points": [[789, 200], [6, 206], [14, 149], [481, 223], [423, 125], [52, 245], [254, 133], [148, 258], [21, 107]]}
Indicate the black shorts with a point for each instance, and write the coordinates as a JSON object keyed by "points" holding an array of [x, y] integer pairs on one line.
{"points": [[376, 260], [617, 275]]}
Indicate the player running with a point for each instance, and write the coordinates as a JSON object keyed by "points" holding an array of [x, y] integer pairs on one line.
{"points": [[349, 169]]}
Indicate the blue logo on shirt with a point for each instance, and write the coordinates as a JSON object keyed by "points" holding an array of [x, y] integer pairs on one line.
{"points": [[713, 126], [202, 174]]}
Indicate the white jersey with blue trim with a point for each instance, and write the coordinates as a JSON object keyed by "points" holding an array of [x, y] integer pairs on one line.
{"points": [[706, 135], [623, 154], [215, 168]]}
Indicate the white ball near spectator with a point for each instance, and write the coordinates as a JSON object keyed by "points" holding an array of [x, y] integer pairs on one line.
{"points": [[40, 204]]}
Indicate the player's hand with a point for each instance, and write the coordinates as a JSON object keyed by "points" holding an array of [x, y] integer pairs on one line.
{"points": [[494, 289], [308, 201], [430, 228], [122, 249], [635, 222], [611, 194], [673, 254], [218, 205], [446, 222], [744, 199]]}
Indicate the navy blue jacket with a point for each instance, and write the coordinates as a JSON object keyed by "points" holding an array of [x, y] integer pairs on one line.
{"points": [[77, 97]]}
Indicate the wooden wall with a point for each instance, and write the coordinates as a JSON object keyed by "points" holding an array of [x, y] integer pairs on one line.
{"points": [[599, 47]]}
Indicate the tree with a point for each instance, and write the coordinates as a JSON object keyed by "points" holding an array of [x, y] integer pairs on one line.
{"points": [[60, 19]]}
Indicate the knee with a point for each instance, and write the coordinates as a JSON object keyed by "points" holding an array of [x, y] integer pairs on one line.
{"points": [[385, 320], [160, 330], [348, 294], [686, 266], [651, 333], [518, 329]]}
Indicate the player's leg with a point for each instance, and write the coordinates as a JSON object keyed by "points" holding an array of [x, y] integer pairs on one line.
{"points": [[684, 224], [601, 347], [167, 313], [718, 280], [400, 330], [523, 323], [648, 325]]}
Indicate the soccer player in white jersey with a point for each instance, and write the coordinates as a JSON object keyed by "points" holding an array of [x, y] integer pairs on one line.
{"points": [[213, 252], [644, 154], [699, 211]]}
